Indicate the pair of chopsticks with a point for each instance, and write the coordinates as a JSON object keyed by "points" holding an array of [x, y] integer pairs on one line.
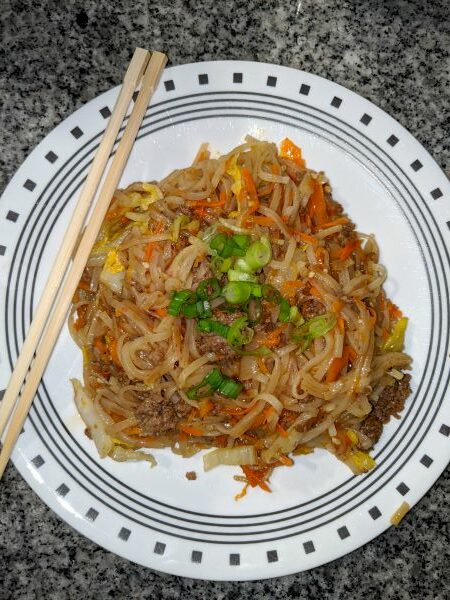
{"points": [[52, 309]]}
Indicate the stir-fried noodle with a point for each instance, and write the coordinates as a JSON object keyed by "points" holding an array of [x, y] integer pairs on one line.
{"points": [[233, 306]]}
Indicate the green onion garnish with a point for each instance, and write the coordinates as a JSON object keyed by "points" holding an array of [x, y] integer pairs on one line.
{"points": [[218, 242], [230, 388], [201, 308], [220, 265], [241, 240], [239, 333], [226, 246], [208, 289], [285, 311], [212, 326], [312, 329], [215, 381], [271, 294], [234, 275], [177, 301], [259, 254], [237, 292]]}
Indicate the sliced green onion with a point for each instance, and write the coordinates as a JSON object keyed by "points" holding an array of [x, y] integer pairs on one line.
{"points": [[201, 308], [177, 301], [237, 292], [256, 290], [312, 329], [211, 326], [218, 242], [241, 240], [242, 265], [220, 265], [230, 248], [271, 294], [215, 381], [293, 313], [234, 275], [208, 289], [285, 311], [259, 254], [230, 388], [239, 333]]}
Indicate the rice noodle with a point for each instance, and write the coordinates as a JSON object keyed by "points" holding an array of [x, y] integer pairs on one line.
{"points": [[144, 365]]}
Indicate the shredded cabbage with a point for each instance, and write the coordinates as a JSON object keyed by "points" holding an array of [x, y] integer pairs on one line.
{"points": [[242, 455], [113, 272], [281, 445], [103, 441], [123, 454], [91, 418], [359, 462]]}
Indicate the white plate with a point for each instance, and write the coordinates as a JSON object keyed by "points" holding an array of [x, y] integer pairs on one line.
{"points": [[317, 511]]}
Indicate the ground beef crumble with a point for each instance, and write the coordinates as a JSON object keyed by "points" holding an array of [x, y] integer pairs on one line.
{"points": [[159, 416], [390, 404]]}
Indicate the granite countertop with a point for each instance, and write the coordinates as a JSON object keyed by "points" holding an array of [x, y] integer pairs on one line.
{"points": [[57, 56]]}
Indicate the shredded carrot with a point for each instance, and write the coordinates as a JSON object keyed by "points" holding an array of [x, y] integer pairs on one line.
{"points": [[339, 221], [161, 312], [101, 347], [113, 213], [315, 292], [273, 338], [341, 324], [242, 493], [112, 347], [83, 285], [320, 254], [285, 460], [191, 430], [337, 305], [282, 431], [221, 440], [348, 249], [200, 212], [149, 251], [289, 288], [352, 354], [275, 169], [255, 477], [337, 365], [206, 203], [252, 194], [394, 311], [289, 150], [182, 437], [263, 221], [306, 238], [205, 406], [262, 365], [317, 206], [268, 412]]}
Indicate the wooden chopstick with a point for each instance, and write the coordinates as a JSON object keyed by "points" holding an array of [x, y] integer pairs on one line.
{"points": [[132, 78], [57, 318]]}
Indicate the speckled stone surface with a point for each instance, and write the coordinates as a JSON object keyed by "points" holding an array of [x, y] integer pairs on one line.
{"points": [[58, 55]]}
